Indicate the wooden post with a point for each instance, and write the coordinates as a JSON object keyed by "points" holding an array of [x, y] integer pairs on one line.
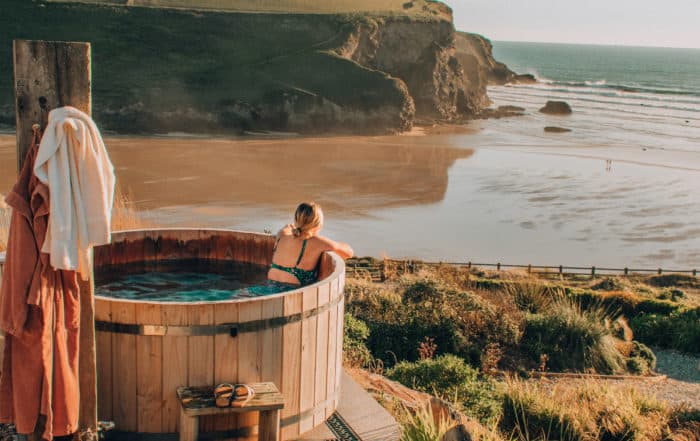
{"points": [[47, 75]]}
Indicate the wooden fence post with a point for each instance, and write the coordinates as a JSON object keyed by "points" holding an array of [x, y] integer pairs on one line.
{"points": [[47, 75]]}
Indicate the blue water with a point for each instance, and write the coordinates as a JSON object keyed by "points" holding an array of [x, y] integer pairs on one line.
{"points": [[194, 281], [608, 69], [621, 96]]}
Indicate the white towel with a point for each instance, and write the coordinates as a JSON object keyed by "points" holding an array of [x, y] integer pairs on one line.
{"points": [[73, 162]]}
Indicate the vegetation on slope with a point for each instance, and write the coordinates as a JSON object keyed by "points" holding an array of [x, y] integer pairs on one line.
{"points": [[447, 331], [158, 70]]}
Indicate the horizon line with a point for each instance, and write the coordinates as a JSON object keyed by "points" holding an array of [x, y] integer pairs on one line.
{"points": [[597, 44]]}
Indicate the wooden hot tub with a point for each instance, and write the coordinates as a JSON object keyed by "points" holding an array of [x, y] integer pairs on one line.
{"points": [[146, 349]]}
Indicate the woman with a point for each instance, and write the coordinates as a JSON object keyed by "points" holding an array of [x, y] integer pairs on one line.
{"points": [[299, 247]]}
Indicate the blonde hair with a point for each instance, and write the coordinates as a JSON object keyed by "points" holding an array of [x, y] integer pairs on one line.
{"points": [[307, 217]]}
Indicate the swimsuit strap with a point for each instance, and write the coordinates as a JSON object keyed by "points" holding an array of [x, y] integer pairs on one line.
{"points": [[301, 254]]}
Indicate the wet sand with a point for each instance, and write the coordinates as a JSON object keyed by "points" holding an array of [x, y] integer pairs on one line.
{"points": [[486, 194]]}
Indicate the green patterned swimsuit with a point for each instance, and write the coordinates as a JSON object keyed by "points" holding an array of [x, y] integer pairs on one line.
{"points": [[305, 277]]}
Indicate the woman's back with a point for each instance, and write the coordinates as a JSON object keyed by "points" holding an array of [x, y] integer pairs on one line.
{"points": [[298, 248]]}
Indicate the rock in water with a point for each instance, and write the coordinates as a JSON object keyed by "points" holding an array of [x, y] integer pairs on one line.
{"points": [[552, 129], [524, 79], [556, 108]]}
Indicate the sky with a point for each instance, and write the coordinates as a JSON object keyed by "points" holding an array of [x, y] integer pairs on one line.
{"points": [[667, 23]]}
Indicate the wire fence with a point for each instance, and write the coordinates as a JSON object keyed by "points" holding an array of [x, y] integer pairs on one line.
{"points": [[379, 269]]}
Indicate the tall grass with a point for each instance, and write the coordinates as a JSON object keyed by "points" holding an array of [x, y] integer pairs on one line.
{"points": [[590, 411], [422, 425], [532, 296], [573, 338], [125, 216]]}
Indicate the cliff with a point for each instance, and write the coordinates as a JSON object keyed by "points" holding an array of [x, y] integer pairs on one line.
{"points": [[161, 70], [475, 54]]}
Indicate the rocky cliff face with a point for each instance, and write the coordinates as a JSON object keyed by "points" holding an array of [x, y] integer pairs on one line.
{"points": [[424, 56], [475, 53], [192, 71]]}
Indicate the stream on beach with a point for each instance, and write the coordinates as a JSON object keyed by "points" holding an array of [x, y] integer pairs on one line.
{"points": [[495, 191]]}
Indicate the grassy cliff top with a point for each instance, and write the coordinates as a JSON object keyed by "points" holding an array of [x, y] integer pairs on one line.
{"points": [[410, 7], [163, 59]]}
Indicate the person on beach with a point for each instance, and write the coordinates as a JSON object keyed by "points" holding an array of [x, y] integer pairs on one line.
{"points": [[298, 247]]}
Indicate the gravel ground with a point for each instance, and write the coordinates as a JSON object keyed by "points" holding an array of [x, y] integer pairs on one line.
{"points": [[678, 366]]}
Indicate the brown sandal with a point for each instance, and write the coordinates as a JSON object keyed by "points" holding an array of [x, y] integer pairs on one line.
{"points": [[233, 395]]}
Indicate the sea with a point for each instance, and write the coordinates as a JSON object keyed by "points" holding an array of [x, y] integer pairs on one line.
{"points": [[647, 96], [621, 189]]}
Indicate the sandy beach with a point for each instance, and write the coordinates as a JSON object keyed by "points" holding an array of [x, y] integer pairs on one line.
{"points": [[495, 192]]}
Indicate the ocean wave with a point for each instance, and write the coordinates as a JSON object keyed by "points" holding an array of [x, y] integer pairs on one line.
{"points": [[573, 98], [621, 87]]}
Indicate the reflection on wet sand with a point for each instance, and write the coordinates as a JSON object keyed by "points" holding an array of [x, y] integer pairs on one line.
{"points": [[349, 175]]}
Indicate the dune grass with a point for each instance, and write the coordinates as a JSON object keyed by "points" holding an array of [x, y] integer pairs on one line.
{"points": [[592, 411]]}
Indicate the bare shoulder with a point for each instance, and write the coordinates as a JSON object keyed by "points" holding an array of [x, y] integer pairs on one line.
{"points": [[285, 231]]}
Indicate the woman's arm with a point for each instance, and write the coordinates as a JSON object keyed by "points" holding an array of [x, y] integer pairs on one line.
{"points": [[341, 248]]}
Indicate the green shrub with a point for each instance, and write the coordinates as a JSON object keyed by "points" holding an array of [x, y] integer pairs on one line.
{"points": [[637, 365], [668, 280], [671, 294], [450, 378], [609, 284], [531, 296], [460, 323], [679, 330], [642, 351], [624, 303], [573, 339], [354, 342]]}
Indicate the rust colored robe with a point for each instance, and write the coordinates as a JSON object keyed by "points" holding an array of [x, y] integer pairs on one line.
{"points": [[40, 315]]}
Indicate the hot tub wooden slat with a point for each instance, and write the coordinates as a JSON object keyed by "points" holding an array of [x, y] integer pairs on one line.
{"points": [[324, 294], [249, 359], [201, 354], [272, 341], [149, 359], [299, 350], [339, 348], [103, 343], [330, 366], [226, 359], [123, 369], [308, 360], [175, 363], [291, 364]]}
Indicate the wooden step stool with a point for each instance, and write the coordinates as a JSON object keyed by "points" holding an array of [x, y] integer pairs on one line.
{"points": [[198, 401]]}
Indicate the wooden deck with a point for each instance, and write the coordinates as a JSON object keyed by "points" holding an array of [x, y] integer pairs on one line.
{"points": [[358, 418]]}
